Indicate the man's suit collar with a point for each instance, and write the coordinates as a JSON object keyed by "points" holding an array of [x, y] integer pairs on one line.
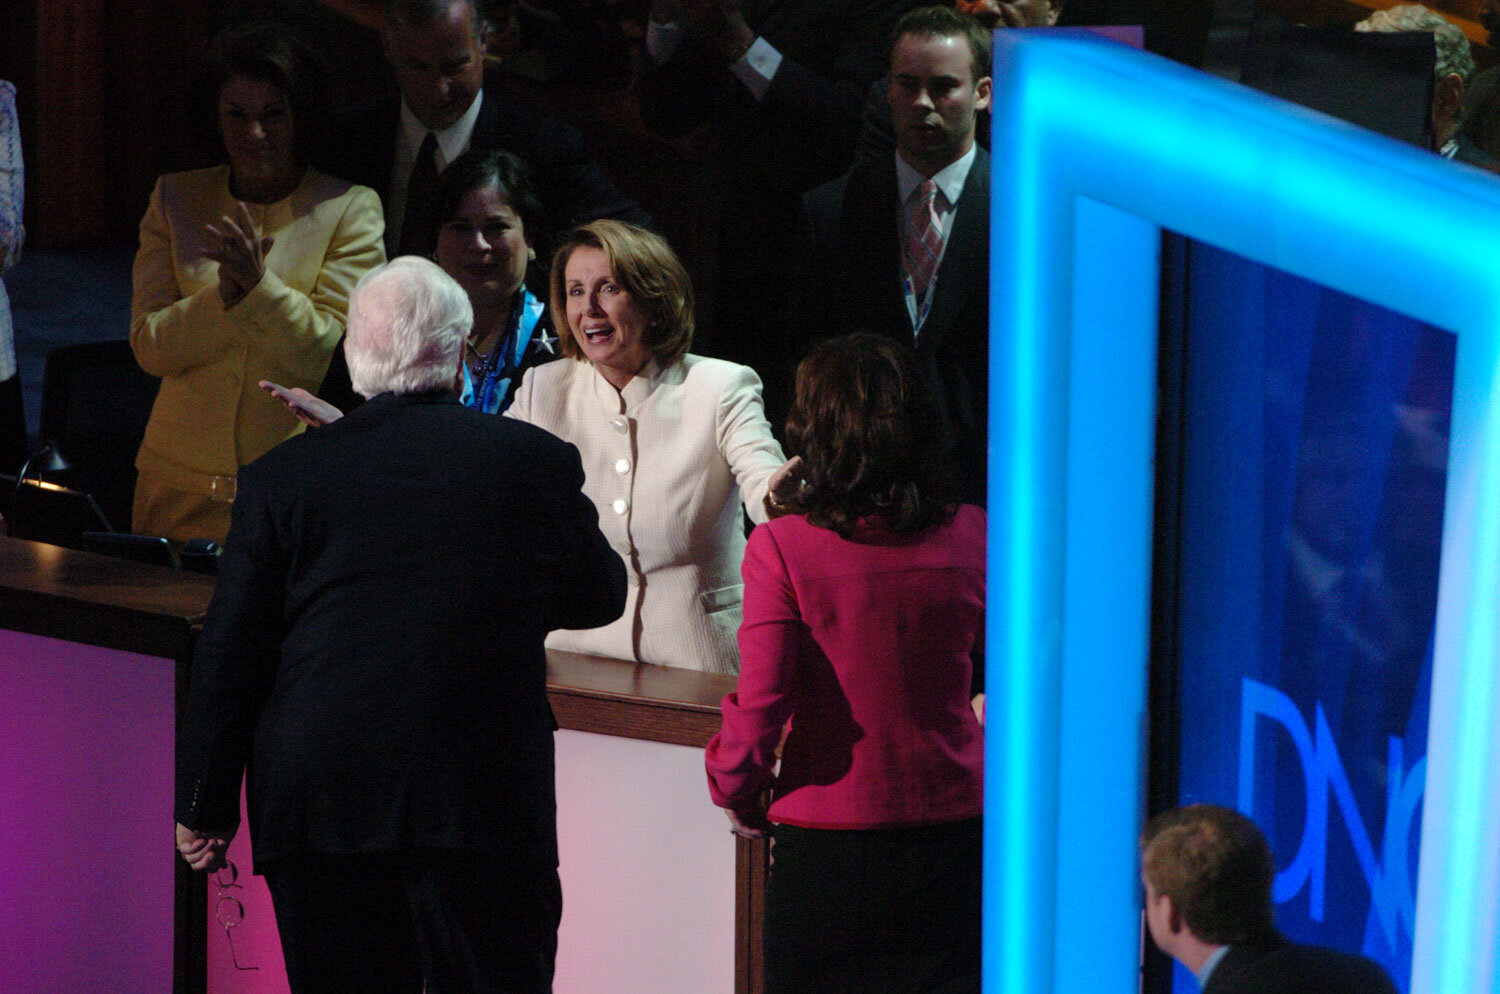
{"points": [[382, 405], [452, 140], [1227, 973], [951, 179], [871, 231], [963, 270]]}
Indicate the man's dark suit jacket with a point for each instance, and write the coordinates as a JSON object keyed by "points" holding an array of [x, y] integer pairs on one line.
{"points": [[764, 154], [803, 131], [374, 644], [1280, 967], [571, 185], [852, 281]]}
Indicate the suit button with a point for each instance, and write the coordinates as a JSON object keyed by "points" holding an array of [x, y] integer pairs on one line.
{"points": [[621, 505], [622, 466], [620, 425]]}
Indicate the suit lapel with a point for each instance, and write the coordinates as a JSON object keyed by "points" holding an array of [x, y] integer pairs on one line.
{"points": [[965, 259], [383, 156]]}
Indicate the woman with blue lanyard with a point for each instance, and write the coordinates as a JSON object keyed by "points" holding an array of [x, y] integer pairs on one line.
{"points": [[492, 225]]}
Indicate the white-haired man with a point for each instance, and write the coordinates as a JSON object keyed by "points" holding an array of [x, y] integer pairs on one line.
{"points": [[1452, 69], [374, 652]]}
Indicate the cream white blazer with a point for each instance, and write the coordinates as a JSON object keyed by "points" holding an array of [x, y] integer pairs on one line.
{"points": [[668, 462]]}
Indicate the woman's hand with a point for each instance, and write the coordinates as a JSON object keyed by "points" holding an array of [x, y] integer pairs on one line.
{"points": [[785, 483], [309, 409], [754, 826], [241, 256]]}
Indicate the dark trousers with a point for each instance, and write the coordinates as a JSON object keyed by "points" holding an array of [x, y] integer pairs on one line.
{"points": [[882, 911], [12, 426], [462, 922]]}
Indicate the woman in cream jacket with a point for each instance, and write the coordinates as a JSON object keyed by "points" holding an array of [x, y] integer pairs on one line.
{"points": [[672, 445]]}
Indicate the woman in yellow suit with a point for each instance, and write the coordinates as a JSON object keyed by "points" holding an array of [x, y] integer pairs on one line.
{"points": [[243, 274]]}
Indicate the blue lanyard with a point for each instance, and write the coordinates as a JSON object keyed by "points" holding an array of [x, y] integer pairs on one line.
{"points": [[500, 367]]}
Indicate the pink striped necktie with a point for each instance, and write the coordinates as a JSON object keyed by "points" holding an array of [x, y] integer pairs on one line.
{"points": [[924, 238]]}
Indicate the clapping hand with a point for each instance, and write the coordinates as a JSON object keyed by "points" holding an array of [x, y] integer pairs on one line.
{"points": [[720, 23], [241, 255]]}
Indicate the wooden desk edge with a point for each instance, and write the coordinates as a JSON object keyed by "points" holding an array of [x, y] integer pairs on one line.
{"points": [[45, 595], [587, 696]]}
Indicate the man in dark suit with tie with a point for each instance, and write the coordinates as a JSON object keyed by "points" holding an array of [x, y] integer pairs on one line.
{"points": [[1207, 872], [900, 245], [446, 106], [373, 651]]}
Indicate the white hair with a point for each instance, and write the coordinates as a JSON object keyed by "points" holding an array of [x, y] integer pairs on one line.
{"points": [[1453, 54], [407, 324]]}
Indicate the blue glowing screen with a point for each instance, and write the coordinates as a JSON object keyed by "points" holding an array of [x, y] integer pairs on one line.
{"points": [[1314, 440]]}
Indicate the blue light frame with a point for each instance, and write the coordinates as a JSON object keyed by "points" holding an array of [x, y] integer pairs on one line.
{"points": [[1097, 147]]}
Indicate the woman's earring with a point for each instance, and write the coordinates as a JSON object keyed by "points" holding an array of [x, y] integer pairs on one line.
{"points": [[530, 255]]}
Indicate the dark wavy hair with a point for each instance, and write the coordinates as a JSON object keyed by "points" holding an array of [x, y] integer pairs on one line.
{"points": [[865, 427], [269, 53], [478, 169]]}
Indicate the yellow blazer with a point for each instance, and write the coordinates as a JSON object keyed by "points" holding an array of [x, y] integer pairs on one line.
{"points": [[666, 462], [210, 417]]}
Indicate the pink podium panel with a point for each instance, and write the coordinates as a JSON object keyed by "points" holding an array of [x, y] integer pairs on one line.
{"points": [[86, 855]]}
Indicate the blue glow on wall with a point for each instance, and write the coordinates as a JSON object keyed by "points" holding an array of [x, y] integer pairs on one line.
{"points": [[1081, 121]]}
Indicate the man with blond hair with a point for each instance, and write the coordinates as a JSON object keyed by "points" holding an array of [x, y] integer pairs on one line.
{"points": [[1207, 872]]}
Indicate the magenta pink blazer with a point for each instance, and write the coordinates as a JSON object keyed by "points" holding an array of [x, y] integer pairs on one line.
{"points": [[864, 644]]}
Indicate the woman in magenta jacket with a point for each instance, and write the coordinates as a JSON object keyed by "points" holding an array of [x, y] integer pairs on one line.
{"points": [[863, 610]]}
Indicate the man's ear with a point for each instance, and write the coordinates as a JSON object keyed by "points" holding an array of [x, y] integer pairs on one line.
{"points": [[1174, 921], [982, 90]]}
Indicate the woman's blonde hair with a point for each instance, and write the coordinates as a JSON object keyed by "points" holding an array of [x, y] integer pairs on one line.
{"points": [[645, 267]]}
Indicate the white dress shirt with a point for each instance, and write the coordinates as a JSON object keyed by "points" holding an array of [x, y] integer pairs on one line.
{"points": [[452, 142], [950, 182]]}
